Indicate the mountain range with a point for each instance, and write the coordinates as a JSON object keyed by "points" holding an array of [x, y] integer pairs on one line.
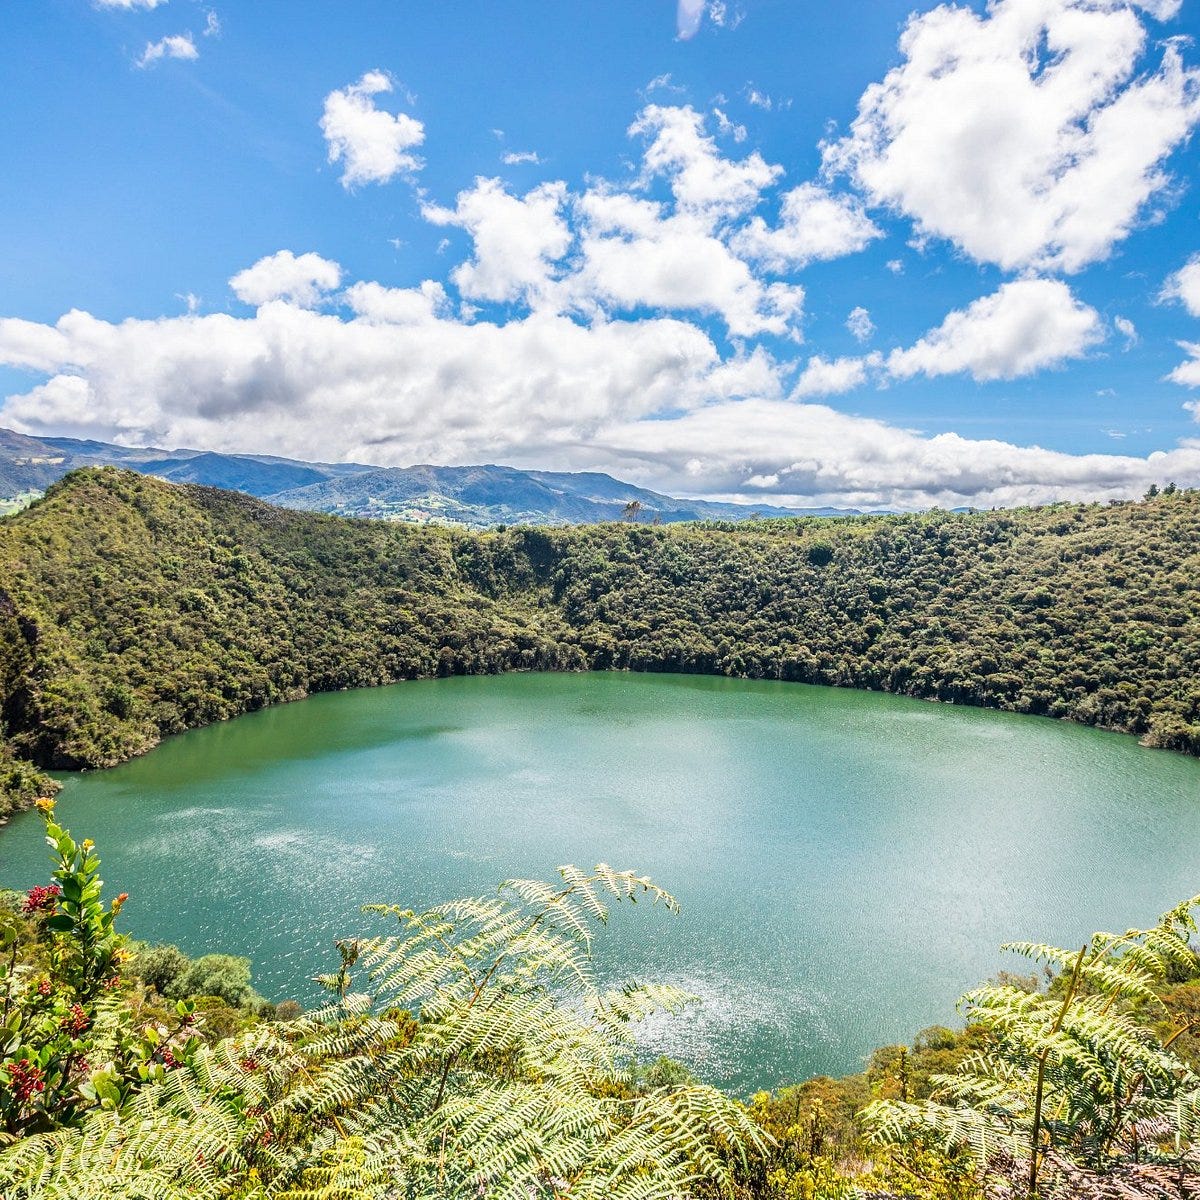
{"points": [[475, 496]]}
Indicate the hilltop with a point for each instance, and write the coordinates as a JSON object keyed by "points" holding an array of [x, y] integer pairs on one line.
{"points": [[131, 609]]}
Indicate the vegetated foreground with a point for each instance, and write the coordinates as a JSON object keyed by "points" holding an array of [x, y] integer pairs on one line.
{"points": [[131, 609], [466, 1054]]}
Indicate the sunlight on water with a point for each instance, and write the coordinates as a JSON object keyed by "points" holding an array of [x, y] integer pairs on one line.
{"points": [[848, 862]]}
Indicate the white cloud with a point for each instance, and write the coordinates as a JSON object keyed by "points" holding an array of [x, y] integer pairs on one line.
{"points": [[517, 240], [895, 266], [178, 45], [729, 128], [129, 5], [822, 377], [704, 182], [688, 15], [1029, 136], [212, 24], [814, 226], [1023, 327], [634, 256], [1188, 372], [514, 158], [722, 18], [606, 250], [1128, 330], [586, 370], [759, 99], [860, 324], [398, 306], [1184, 286], [300, 279], [396, 382], [374, 146]]}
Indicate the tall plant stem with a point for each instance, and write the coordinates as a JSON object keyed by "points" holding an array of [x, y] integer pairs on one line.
{"points": [[1035, 1135]]}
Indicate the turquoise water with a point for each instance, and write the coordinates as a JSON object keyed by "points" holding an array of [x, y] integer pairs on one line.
{"points": [[848, 862]]}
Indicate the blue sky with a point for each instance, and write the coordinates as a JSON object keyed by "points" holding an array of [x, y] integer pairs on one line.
{"points": [[566, 236]]}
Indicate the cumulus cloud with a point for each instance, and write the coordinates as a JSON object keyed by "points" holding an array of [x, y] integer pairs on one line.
{"points": [[372, 145], [577, 356], [821, 377], [1184, 286], [1188, 372], [633, 255], [609, 250], [517, 239], [300, 279], [178, 45], [814, 226], [1024, 327], [398, 306], [860, 324], [394, 382], [704, 182], [1030, 136]]}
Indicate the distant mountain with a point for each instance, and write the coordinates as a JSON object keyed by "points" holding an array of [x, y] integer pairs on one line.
{"points": [[27, 464], [478, 496]]}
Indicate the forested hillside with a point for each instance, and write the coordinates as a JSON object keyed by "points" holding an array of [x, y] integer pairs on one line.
{"points": [[131, 608]]}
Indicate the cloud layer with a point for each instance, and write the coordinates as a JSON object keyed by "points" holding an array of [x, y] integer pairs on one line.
{"points": [[396, 377]]}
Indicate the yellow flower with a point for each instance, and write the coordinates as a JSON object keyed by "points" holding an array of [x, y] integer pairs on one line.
{"points": [[87, 844], [45, 805]]}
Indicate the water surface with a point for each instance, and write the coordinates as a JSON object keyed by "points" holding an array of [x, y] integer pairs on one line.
{"points": [[848, 862]]}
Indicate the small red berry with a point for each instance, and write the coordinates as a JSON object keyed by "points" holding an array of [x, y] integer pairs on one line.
{"points": [[76, 1021], [26, 1080]]}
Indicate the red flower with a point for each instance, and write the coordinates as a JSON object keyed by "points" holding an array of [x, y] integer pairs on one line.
{"points": [[41, 899], [45, 987]]}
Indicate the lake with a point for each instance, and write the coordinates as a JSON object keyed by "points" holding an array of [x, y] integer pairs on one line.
{"points": [[848, 862]]}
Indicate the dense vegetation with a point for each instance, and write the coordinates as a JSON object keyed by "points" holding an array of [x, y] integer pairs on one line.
{"points": [[468, 1053], [131, 609]]}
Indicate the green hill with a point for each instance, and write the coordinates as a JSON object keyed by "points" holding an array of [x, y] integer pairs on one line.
{"points": [[131, 608]]}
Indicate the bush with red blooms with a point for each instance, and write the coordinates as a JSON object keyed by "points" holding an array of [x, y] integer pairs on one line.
{"points": [[68, 1040]]}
